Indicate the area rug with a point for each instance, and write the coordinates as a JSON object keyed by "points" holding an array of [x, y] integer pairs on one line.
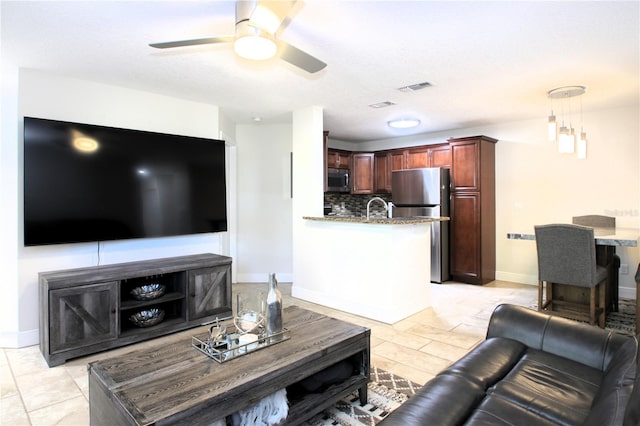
{"points": [[623, 321], [387, 392]]}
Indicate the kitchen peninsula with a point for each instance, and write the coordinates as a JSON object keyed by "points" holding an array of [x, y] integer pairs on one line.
{"points": [[377, 268]]}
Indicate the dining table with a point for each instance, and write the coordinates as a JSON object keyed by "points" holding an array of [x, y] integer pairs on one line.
{"points": [[606, 240]]}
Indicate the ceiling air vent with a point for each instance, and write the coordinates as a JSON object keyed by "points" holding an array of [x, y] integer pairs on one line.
{"points": [[382, 104], [414, 87]]}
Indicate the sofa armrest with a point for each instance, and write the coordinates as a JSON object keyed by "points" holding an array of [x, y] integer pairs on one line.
{"points": [[577, 341]]}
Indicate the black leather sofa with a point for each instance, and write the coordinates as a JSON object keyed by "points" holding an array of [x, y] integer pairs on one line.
{"points": [[533, 369]]}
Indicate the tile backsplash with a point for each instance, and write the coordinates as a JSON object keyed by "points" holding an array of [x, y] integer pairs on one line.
{"points": [[355, 204]]}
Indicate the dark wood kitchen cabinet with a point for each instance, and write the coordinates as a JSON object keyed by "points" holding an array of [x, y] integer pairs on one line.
{"points": [[429, 156], [362, 173], [382, 167], [385, 163], [473, 221], [399, 159], [88, 310], [338, 159]]}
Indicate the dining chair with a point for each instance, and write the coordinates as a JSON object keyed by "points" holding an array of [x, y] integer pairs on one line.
{"points": [[606, 255], [567, 257], [597, 221]]}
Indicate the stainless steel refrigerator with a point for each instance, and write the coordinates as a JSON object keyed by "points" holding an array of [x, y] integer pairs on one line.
{"points": [[425, 192]]}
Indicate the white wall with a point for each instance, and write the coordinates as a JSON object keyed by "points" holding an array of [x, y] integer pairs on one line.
{"points": [[264, 202], [535, 184], [308, 186], [44, 95]]}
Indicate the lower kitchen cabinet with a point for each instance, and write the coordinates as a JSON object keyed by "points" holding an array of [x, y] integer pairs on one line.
{"points": [[465, 264]]}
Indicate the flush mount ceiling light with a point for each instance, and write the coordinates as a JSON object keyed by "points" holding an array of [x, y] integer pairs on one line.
{"points": [[567, 137], [404, 123]]}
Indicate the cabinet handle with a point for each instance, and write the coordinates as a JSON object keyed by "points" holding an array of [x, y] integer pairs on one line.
{"points": [[192, 294]]}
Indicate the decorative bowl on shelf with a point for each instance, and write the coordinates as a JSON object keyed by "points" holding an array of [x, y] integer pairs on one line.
{"points": [[148, 291], [147, 317]]}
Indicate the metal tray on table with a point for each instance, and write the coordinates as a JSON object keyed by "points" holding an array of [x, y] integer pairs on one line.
{"points": [[229, 348]]}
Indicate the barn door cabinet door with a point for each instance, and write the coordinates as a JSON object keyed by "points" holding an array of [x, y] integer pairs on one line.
{"points": [[209, 291], [83, 316]]}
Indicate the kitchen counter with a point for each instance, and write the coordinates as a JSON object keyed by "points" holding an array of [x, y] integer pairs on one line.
{"points": [[358, 266], [378, 219]]}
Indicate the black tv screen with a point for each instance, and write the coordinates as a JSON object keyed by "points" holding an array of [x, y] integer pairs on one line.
{"points": [[94, 183]]}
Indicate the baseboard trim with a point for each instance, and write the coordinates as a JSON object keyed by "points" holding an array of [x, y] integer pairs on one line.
{"points": [[517, 278], [19, 339], [262, 277]]}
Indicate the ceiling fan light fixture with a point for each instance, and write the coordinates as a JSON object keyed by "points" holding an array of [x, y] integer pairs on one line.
{"points": [[404, 123], [252, 43], [266, 19]]}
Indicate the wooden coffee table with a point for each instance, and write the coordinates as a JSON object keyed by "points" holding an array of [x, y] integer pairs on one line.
{"points": [[175, 383]]}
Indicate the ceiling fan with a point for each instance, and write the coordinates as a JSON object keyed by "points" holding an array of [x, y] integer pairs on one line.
{"points": [[257, 22]]}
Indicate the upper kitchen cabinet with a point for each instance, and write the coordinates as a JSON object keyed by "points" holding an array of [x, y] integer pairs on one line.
{"points": [[385, 163], [473, 210], [382, 167], [362, 173], [429, 156], [338, 159], [398, 159]]}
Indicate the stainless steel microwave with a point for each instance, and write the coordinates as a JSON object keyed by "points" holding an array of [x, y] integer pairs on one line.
{"points": [[338, 180]]}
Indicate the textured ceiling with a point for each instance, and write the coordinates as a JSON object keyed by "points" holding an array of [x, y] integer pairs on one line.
{"points": [[488, 62]]}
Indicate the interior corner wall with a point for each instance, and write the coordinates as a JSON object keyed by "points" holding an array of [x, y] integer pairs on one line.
{"points": [[264, 202], [50, 96]]}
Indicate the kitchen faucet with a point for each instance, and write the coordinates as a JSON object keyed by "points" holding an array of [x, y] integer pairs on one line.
{"points": [[384, 203]]}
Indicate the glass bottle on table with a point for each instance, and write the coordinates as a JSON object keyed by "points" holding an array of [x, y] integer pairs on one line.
{"points": [[274, 307]]}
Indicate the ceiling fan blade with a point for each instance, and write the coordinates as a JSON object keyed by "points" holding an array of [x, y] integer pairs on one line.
{"points": [[299, 58], [192, 42]]}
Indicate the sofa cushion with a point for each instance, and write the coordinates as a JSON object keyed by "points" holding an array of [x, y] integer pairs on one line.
{"points": [[488, 362], [615, 390], [563, 337], [445, 400], [495, 411], [547, 385]]}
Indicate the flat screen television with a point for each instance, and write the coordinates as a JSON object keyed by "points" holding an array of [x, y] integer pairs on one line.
{"points": [[94, 183]]}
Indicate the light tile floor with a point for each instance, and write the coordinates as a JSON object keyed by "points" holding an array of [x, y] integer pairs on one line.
{"points": [[415, 348]]}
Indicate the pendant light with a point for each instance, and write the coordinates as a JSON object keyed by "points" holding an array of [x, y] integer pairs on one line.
{"points": [[566, 137]]}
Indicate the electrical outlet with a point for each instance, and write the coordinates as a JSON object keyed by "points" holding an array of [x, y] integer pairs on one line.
{"points": [[624, 268]]}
